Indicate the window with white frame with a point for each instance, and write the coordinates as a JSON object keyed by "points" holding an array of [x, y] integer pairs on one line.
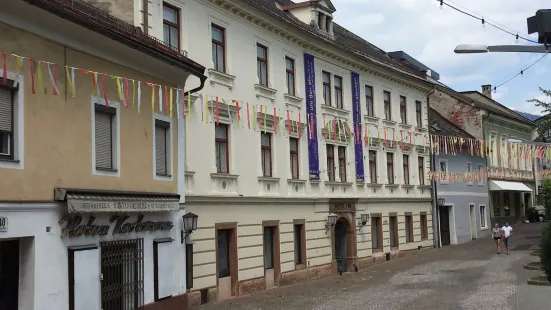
{"points": [[483, 216], [266, 153], [7, 121], [470, 173], [444, 171], [162, 147]]}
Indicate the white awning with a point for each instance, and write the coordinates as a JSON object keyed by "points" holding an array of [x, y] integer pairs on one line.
{"points": [[508, 186]]}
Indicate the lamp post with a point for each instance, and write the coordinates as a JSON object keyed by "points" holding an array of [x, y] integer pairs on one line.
{"points": [[364, 217], [189, 224]]}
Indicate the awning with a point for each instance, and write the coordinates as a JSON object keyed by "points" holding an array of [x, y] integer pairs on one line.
{"points": [[508, 186], [93, 201]]}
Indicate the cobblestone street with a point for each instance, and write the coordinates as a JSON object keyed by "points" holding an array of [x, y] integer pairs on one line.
{"points": [[468, 276]]}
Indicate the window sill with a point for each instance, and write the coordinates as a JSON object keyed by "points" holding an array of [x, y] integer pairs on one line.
{"points": [[315, 181], [265, 92], [371, 119], [424, 186], [407, 186], [217, 77], [296, 181], [8, 160], [392, 185], [406, 126], [163, 175], [224, 176], [268, 179], [293, 100], [189, 173], [107, 170], [374, 184], [360, 183], [389, 122], [334, 110], [338, 183]]}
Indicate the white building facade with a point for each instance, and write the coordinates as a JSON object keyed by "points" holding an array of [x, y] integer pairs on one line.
{"points": [[305, 155]]}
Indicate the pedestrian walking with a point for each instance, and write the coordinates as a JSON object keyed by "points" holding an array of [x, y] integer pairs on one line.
{"points": [[496, 235], [507, 233]]}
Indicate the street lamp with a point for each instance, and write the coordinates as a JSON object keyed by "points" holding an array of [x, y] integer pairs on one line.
{"points": [[331, 221], [363, 220], [189, 222], [477, 49], [441, 202]]}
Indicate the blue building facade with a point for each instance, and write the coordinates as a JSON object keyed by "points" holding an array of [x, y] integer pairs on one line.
{"points": [[463, 214]]}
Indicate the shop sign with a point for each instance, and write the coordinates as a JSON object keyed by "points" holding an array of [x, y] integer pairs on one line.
{"points": [[85, 205], [3, 224], [343, 207], [75, 227]]}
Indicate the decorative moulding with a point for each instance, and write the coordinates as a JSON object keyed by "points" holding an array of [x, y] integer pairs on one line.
{"points": [[332, 111], [269, 179], [406, 126], [217, 77], [224, 176], [294, 101], [374, 184], [389, 123], [392, 185], [407, 186], [296, 181], [189, 173], [371, 119], [265, 92]]}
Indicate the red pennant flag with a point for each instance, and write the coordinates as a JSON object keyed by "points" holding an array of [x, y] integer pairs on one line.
{"points": [[126, 92], [31, 62], [248, 117], [55, 79], [5, 74], [104, 89], [238, 111], [217, 115]]}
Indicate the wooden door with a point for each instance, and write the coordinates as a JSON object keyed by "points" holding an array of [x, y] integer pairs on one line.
{"points": [[445, 225]]}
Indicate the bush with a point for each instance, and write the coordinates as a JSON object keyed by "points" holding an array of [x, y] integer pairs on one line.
{"points": [[546, 193], [545, 252]]}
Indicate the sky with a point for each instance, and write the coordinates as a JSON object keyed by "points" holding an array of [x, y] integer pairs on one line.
{"points": [[427, 33]]}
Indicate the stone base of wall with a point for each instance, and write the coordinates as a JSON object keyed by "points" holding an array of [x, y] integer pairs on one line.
{"points": [[303, 275], [179, 302], [252, 286], [371, 261], [194, 298]]}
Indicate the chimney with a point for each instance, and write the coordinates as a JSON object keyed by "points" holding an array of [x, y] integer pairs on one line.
{"points": [[487, 90]]}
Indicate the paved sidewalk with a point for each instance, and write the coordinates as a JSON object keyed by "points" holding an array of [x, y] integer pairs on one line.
{"points": [[467, 276]]}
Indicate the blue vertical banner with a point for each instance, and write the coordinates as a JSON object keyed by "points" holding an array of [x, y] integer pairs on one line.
{"points": [[311, 118], [357, 118]]}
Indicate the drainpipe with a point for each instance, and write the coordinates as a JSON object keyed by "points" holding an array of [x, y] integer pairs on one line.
{"points": [[433, 193]]}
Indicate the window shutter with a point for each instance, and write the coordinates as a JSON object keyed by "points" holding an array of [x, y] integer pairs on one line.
{"points": [[104, 141], [160, 150], [6, 112]]}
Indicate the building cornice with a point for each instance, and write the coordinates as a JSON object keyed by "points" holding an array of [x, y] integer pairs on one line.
{"points": [[199, 199], [322, 50]]}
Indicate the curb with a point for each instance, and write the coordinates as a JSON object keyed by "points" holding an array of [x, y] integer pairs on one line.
{"points": [[533, 266], [539, 281], [535, 253]]}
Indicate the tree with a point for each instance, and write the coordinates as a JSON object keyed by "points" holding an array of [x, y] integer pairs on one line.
{"points": [[545, 252], [544, 123], [546, 193]]}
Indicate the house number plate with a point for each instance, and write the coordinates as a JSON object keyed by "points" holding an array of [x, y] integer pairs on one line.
{"points": [[3, 223]]}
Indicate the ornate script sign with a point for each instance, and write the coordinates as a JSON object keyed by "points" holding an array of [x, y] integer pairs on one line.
{"points": [[74, 226], [84, 205], [343, 207]]}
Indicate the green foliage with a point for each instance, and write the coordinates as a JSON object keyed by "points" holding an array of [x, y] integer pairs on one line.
{"points": [[544, 124], [545, 252], [546, 193]]}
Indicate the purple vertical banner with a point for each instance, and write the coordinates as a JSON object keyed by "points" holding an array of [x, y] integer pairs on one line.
{"points": [[357, 118], [311, 119]]}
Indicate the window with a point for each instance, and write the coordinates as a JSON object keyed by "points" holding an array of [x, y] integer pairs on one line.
{"points": [[421, 165], [444, 171], [223, 252], [373, 166], [104, 128], [330, 162], [480, 175], [164, 251], [338, 92], [393, 229], [222, 148], [369, 100], [219, 48], [7, 120], [290, 75], [262, 64], [387, 108], [483, 216], [424, 227], [326, 87], [409, 228], [162, 147], [321, 23], [419, 114], [269, 247], [171, 26], [390, 167], [293, 146], [122, 265], [403, 110], [470, 173], [300, 243], [266, 150], [506, 204], [406, 169], [376, 234], [342, 163], [495, 201]]}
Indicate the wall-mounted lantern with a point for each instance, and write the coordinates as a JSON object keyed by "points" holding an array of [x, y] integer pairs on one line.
{"points": [[331, 221], [364, 218], [441, 202], [189, 224]]}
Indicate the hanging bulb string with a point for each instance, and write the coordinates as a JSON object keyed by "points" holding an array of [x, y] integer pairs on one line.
{"points": [[521, 72], [484, 21]]}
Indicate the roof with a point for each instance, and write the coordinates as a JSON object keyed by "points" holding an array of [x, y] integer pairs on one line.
{"points": [[87, 15], [403, 56], [496, 107], [343, 39], [439, 125]]}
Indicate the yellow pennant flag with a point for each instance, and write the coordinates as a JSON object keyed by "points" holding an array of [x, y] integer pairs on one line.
{"points": [[119, 87], [40, 78], [70, 81], [170, 96]]}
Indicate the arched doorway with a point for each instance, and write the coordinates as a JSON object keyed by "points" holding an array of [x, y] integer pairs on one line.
{"points": [[341, 229]]}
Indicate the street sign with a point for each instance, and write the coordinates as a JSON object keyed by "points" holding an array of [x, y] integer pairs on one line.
{"points": [[3, 223]]}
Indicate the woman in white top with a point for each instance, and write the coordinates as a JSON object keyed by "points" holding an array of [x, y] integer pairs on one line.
{"points": [[496, 235]]}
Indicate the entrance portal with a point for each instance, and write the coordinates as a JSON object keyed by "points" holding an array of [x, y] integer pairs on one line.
{"points": [[445, 225], [9, 274], [341, 228]]}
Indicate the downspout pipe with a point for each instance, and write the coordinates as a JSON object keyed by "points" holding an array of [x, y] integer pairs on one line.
{"points": [[434, 193]]}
